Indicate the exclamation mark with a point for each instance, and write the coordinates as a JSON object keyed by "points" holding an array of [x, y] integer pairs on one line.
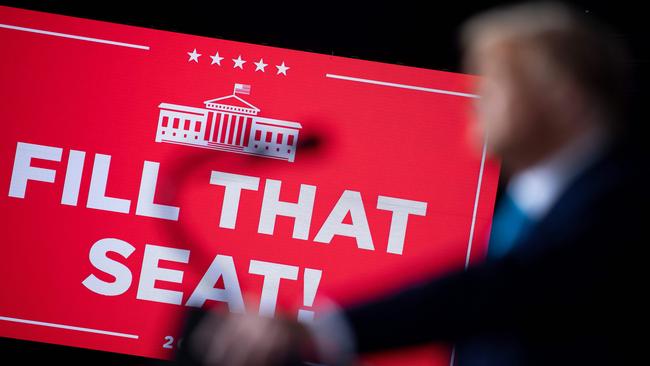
{"points": [[312, 280]]}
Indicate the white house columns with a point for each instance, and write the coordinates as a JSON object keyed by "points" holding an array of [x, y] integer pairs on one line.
{"points": [[229, 124]]}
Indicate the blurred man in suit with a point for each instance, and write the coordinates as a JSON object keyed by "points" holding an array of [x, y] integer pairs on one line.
{"points": [[561, 283]]}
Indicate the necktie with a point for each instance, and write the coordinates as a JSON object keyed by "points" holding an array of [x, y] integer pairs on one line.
{"points": [[509, 225]]}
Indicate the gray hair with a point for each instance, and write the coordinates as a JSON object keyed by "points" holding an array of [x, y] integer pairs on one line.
{"points": [[570, 43]]}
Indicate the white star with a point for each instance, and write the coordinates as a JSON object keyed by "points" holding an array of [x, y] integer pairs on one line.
{"points": [[260, 65], [194, 56], [282, 69], [216, 59], [238, 62]]}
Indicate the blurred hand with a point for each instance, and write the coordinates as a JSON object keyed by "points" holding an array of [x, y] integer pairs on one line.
{"points": [[251, 340]]}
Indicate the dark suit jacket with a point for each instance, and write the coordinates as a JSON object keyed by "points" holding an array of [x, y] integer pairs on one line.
{"points": [[569, 293]]}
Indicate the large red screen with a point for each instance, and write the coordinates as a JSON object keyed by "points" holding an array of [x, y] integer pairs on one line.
{"points": [[143, 172]]}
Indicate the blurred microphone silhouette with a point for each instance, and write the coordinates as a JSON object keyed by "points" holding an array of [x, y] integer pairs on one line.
{"points": [[200, 324]]}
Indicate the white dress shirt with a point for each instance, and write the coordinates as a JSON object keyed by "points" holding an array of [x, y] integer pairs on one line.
{"points": [[537, 188]]}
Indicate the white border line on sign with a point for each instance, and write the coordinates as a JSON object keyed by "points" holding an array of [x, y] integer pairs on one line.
{"points": [[481, 169], [73, 36], [476, 198], [403, 86], [69, 327], [452, 360]]}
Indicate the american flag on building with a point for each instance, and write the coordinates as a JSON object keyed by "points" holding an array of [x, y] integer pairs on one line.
{"points": [[230, 124], [242, 89]]}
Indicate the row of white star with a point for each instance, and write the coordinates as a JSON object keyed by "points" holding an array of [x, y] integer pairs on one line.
{"points": [[238, 62]]}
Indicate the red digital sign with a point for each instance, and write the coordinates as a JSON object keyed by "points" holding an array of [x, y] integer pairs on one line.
{"points": [[145, 172]]}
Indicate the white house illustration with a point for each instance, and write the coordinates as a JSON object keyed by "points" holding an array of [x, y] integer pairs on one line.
{"points": [[228, 124]]}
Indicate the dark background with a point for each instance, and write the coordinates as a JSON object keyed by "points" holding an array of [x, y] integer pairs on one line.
{"points": [[405, 32]]}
